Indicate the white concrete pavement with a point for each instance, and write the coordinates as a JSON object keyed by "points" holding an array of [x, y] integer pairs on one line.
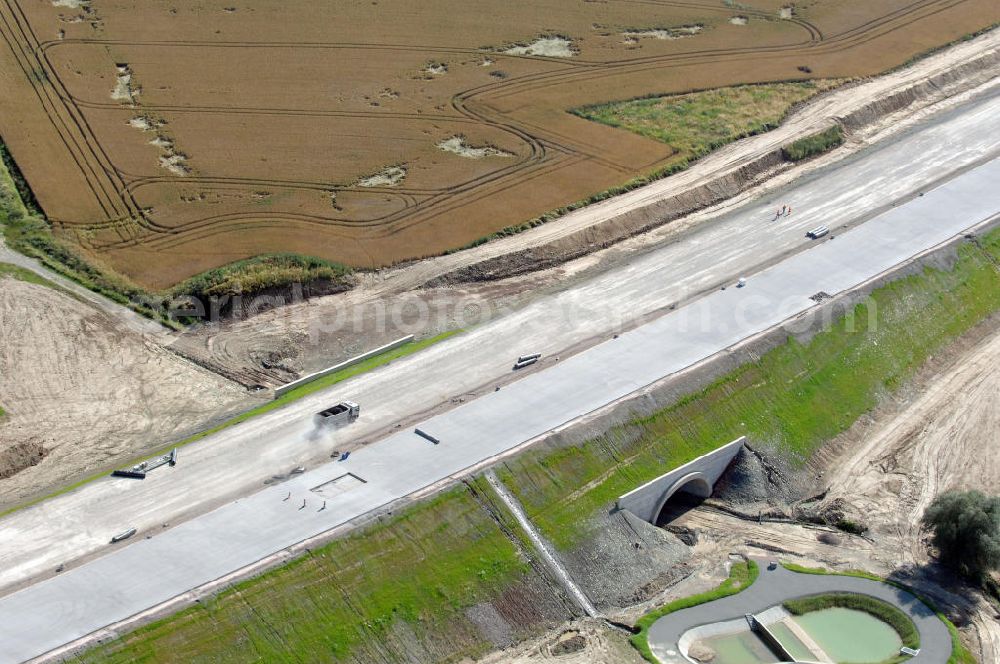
{"points": [[66, 607], [235, 462]]}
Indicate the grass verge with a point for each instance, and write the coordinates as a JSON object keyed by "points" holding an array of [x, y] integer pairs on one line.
{"points": [[25, 230], [361, 598], [21, 274], [794, 397], [296, 394], [959, 653], [694, 124], [884, 611], [810, 146], [652, 116], [741, 576]]}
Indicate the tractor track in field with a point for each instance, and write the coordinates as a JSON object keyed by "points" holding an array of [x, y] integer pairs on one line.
{"points": [[549, 150]]}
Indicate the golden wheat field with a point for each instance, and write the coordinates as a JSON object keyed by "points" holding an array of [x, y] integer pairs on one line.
{"points": [[167, 137]]}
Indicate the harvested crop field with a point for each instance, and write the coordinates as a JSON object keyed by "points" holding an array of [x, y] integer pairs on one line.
{"points": [[171, 138]]}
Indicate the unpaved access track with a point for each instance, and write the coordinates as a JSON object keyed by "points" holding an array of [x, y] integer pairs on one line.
{"points": [[944, 438], [947, 438], [273, 347], [938, 434], [143, 163]]}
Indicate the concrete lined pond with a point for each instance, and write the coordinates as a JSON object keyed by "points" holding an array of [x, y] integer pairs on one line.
{"points": [[740, 648], [846, 635]]}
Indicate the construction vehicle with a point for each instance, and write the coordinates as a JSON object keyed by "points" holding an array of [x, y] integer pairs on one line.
{"points": [[526, 360], [139, 471], [123, 535], [343, 412]]}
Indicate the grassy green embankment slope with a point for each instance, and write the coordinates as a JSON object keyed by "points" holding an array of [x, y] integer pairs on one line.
{"points": [[796, 396]]}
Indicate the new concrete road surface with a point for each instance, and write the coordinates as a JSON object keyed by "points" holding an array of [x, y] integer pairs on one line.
{"points": [[774, 587], [108, 589], [235, 462]]}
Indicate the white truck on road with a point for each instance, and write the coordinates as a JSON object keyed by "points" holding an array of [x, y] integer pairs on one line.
{"points": [[343, 412]]}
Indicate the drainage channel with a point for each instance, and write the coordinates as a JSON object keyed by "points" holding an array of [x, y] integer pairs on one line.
{"points": [[560, 572]]}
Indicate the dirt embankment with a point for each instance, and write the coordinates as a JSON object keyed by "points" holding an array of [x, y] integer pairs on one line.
{"points": [[82, 390], [276, 346], [936, 433], [742, 177], [20, 456]]}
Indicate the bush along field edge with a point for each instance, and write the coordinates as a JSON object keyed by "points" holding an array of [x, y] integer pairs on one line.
{"points": [[229, 290], [949, 300]]}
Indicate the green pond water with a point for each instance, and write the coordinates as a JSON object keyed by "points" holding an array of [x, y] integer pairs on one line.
{"points": [[795, 648], [741, 648], [850, 636]]}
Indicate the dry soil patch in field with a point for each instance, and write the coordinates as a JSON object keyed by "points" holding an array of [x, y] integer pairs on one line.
{"points": [[285, 94]]}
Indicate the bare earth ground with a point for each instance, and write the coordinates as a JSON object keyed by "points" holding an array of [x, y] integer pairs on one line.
{"points": [[112, 389], [588, 641], [940, 434], [81, 389], [283, 338], [278, 345]]}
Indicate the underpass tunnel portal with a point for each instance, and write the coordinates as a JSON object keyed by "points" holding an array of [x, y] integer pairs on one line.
{"points": [[693, 481], [685, 494]]}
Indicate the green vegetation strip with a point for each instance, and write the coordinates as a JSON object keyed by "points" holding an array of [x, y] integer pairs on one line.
{"points": [[959, 653], [354, 599], [22, 274], [811, 146], [14, 191], [695, 124], [741, 576], [885, 612], [255, 275], [794, 397], [26, 231], [284, 400]]}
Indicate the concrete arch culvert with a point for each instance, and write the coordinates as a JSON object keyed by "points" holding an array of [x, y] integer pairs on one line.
{"points": [[696, 477]]}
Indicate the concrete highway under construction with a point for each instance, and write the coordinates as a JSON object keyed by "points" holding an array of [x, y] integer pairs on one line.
{"points": [[941, 178]]}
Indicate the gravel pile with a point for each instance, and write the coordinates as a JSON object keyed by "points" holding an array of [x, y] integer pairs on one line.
{"points": [[758, 477]]}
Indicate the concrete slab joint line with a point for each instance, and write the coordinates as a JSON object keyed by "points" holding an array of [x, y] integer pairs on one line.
{"points": [[565, 580], [242, 533], [698, 477]]}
